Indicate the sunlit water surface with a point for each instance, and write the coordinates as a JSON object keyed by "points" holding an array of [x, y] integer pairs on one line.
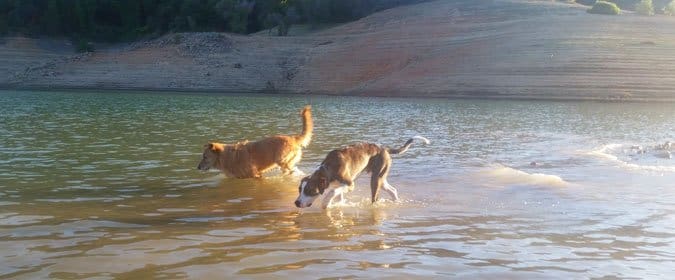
{"points": [[104, 185]]}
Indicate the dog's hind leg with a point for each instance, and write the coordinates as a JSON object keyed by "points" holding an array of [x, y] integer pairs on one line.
{"points": [[375, 186], [288, 164], [285, 170], [390, 190], [379, 171]]}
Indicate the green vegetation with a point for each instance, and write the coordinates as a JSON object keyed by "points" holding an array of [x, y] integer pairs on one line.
{"points": [[120, 20], [82, 45], [3, 26], [605, 8], [645, 7], [624, 4], [668, 10], [586, 2]]}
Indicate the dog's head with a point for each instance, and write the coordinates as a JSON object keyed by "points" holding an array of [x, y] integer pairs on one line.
{"points": [[311, 187], [210, 156]]}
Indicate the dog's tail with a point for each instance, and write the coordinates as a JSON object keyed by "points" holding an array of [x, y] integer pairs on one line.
{"points": [[307, 126], [407, 145]]}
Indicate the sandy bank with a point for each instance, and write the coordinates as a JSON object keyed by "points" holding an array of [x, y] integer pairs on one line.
{"points": [[478, 49]]}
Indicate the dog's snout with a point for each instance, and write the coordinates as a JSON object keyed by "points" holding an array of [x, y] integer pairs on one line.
{"points": [[297, 203]]}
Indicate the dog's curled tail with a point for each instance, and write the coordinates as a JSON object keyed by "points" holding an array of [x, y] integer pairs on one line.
{"points": [[307, 126], [407, 144]]}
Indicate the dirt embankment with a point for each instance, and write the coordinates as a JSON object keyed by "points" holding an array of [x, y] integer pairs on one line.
{"points": [[476, 48]]}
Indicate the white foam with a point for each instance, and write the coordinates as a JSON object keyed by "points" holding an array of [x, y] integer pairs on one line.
{"points": [[175, 210], [200, 219], [603, 152], [509, 176], [17, 220], [425, 140], [608, 152], [79, 199]]}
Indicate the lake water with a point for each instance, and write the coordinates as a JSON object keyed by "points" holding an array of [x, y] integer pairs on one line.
{"points": [[105, 185]]}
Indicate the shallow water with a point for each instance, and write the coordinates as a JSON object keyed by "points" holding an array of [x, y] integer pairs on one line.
{"points": [[104, 185]]}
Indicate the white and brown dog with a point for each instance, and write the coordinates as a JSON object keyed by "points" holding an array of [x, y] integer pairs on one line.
{"points": [[251, 159], [336, 174]]}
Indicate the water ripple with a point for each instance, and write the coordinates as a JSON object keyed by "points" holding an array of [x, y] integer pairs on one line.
{"points": [[104, 185]]}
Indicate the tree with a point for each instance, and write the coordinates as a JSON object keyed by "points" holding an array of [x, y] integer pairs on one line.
{"points": [[52, 19], [3, 25], [670, 9], [131, 13], [119, 20], [235, 14], [645, 7], [4, 10], [84, 21]]}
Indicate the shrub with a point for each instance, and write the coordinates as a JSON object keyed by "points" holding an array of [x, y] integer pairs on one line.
{"points": [[670, 9], [605, 8], [82, 46], [645, 7], [625, 4], [3, 26], [177, 39]]}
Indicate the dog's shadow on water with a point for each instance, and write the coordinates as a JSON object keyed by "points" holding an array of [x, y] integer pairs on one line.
{"points": [[265, 194], [215, 198]]}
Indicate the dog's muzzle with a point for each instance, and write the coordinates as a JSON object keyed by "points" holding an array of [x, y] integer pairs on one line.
{"points": [[299, 205]]}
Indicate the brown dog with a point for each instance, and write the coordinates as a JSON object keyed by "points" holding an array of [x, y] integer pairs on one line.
{"points": [[340, 168], [251, 159]]}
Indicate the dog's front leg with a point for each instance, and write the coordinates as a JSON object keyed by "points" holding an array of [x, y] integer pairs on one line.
{"points": [[334, 195], [339, 196], [328, 198]]}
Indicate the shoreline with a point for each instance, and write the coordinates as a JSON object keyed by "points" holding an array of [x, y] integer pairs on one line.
{"points": [[213, 92], [483, 49]]}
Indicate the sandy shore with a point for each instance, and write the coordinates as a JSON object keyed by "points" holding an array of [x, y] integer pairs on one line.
{"points": [[474, 49]]}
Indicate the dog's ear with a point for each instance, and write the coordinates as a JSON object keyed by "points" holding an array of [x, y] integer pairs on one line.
{"points": [[216, 147]]}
